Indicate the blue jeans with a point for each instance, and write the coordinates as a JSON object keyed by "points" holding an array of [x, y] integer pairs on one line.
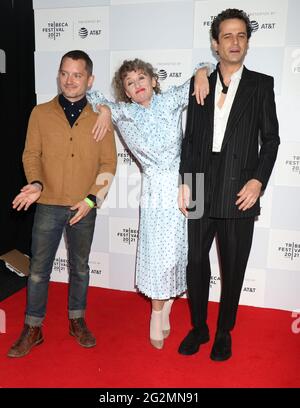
{"points": [[50, 221]]}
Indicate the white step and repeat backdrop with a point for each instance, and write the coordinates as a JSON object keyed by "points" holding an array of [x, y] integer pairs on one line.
{"points": [[173, 36]]}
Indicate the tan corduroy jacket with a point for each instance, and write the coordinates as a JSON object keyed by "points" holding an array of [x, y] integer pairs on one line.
{"points": [[68, 161]]}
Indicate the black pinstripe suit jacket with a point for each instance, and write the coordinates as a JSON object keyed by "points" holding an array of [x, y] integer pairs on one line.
{"points": [[252, 123]]}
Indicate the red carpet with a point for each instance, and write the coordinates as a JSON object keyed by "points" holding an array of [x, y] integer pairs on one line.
{"points": [[265, 351]]}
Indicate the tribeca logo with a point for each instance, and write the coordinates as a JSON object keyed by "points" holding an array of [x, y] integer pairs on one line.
{"points": [[296, 61], [2, 321], [294, 163], [290, 250], [208, 22], [128, 235], [214, 280], [125, 157], [54, 29], [60, 264], [296, 323]]}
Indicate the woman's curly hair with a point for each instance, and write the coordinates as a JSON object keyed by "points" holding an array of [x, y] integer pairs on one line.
{"points": [[129, 66]]}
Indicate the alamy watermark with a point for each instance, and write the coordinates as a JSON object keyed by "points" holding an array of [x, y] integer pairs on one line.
{"points": [[156, 189], [2, 62], [296, 61], [296, 322], [2, 321]]}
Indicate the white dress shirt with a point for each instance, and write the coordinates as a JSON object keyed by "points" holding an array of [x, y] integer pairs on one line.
{"points": [[221, 114]]}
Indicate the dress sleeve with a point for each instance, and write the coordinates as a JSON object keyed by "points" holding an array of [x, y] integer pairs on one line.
{"points": [[97, 98], [178, 96], [209, 65]]}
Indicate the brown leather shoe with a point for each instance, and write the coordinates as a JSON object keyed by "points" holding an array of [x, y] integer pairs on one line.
{"points": [[30, 337], [79, 330]]}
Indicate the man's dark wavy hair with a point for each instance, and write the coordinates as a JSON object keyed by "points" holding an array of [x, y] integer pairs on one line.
{"points": [[228, 14]]}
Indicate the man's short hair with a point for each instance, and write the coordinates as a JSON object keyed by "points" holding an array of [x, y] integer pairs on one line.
{"points": [[79, 55]]}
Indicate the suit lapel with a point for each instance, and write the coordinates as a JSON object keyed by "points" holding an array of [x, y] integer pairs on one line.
{"points": [[243, 95], [210, 100]]}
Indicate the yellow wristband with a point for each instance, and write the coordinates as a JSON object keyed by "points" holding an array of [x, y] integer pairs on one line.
{"points": [[89, 202]]}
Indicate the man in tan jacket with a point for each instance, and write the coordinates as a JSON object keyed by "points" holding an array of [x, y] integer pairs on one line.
{"points": [[68, 172]]}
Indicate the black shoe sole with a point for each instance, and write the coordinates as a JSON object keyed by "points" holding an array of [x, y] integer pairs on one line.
{"points": [[195, 350], [216, 357]]}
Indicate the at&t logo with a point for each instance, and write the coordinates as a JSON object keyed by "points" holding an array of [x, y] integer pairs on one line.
{"points": [[264, 26], [254, 25], [83, 32], [163, 74]]}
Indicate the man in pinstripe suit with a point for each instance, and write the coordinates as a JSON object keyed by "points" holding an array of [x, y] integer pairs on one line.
{"points": [[222, 142]]}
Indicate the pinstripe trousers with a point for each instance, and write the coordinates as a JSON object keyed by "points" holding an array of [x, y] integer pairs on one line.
{"points": [[234, 239]]}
